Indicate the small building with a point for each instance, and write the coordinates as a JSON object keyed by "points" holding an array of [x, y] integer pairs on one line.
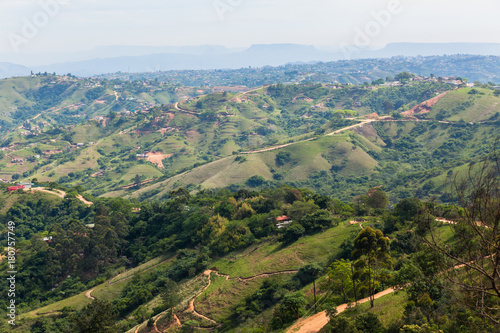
{"points": [[283, 221], [26, 185], [15, 188], [47, 239]]}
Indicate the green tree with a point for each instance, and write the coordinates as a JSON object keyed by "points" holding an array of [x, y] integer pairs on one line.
{"points": [[309, 273], [388, 106], [299, 209], [339, 324], [170, 296], [340, 279], [213, 229], [97, 317], [288, 310], [372, 249], [292, 233], [317, 221], [368, 323], [377, 198], [403, 76]]}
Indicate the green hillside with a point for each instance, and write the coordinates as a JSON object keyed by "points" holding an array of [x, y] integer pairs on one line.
{"points": [[219, 261], [470, 105], [33, 104], [210, 137]]}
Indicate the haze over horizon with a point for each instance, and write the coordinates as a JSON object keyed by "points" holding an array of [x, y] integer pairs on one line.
{"points": [[62, 26]]}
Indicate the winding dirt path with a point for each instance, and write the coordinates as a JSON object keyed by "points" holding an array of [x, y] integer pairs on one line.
{"points": [[88, 294], [82, 199], [177, 107], [59, 193], [276, 147], [191, 307], [363, 122]]}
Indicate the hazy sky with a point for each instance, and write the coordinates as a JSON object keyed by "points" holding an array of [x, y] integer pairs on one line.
{"points": [[72, 25]]}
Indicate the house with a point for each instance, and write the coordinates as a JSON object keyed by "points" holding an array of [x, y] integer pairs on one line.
{"points": [[15, 188], [47, 239], [283, 221], [80, 144]]}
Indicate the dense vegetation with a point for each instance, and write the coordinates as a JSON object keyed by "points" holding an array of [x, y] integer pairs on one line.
{"points": [[393, 248], [370, 207]]}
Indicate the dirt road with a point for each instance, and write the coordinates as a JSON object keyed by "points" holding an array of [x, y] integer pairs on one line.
{"points": [[88, 294], [59, 193], [315, 323]]}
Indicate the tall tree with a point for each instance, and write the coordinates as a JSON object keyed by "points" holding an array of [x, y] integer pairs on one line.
{"points": [[372, 249]]}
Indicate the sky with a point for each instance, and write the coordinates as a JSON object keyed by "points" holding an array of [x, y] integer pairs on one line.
{"points": [[34, 26]]}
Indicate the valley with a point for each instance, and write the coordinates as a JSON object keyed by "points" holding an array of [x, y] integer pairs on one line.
{"points": [[230, 211]]}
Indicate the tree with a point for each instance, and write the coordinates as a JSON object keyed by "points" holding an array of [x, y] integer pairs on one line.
{"points": [[213, 229], [372, 249], [339, 324], [299, 209], [403, 76], [408, 208], [97, 317], [170, 295], [377, 198], [340, 279], [388, 106], [368, 323], [292, 233], [288, 310], [473, 265], [317, 221], [309, 273]]}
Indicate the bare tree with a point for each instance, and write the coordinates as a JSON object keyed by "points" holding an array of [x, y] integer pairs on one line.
{"points": [[473, 260]]}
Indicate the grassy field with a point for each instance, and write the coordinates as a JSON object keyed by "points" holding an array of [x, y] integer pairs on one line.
{"points": [[484, 105], [389, 309], [270, 256], [305, 158]]}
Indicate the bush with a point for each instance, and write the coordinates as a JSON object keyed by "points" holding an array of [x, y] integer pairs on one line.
{"points": [[292, 233]]}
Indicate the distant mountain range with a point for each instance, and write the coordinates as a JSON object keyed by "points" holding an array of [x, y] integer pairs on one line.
{"points": [[111, 59]]}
